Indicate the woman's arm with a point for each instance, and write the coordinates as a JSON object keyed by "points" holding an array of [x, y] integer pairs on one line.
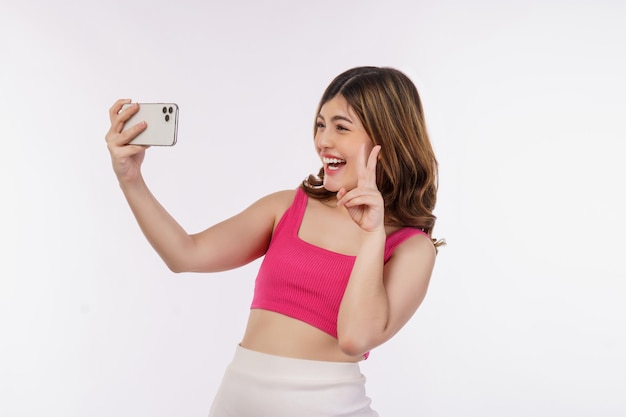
{"points": [[229, 244], [379, 298]]}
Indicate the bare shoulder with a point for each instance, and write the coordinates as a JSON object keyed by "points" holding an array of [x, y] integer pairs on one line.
{"points": [[281, 197], [408, 273], [419, 248], [276, 203], [278, 200], [241, 238]]}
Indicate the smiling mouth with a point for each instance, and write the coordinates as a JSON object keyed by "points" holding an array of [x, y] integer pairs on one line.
{"points": [[333, 163]]}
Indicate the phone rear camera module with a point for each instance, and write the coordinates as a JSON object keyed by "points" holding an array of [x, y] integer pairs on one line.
{"points": [[164, 110], [167, 117], [170, 110]]}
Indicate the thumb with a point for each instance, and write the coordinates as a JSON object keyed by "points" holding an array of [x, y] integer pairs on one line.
{"points": [[340, 195]]}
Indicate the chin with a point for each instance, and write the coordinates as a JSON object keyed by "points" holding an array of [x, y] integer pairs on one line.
{"points": [[330, 186], [334, 186]]}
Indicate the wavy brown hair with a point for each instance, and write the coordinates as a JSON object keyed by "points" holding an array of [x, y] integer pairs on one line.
{"points": [[388, 105]]}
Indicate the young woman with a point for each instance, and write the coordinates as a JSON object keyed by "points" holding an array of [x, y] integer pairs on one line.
{"points": [[348, 254]]}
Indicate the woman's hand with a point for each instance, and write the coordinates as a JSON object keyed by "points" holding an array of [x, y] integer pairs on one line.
{"points": [[365, 203], [126, 159]]}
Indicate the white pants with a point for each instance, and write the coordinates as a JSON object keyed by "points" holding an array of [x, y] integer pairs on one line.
{"points": [[260, 385]]}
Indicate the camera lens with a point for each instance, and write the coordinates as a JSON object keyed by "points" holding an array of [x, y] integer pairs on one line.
{"points": [[170, 110], [164, 110], [167, 117]]}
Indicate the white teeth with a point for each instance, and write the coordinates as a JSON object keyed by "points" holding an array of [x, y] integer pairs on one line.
{"points": [[333, 161]]}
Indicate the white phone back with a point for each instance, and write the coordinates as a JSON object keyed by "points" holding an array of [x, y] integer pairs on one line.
{"points": [[162, 124]]}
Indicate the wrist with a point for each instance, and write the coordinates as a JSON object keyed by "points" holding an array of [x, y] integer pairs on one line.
{"points": [[374, 236], [129, 184]]}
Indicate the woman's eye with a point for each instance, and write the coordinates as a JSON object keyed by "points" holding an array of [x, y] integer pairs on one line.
{"points": [[319, 125], [340, 127]]}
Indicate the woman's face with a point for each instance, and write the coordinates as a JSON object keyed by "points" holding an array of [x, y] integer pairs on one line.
{"points": [[342, 144]]}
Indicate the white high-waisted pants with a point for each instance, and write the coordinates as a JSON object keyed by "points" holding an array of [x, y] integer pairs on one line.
{"points": [[260, 385]]}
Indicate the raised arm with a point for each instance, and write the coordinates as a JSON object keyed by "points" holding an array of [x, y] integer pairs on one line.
{"points": [[380, 297], [229, 244]]}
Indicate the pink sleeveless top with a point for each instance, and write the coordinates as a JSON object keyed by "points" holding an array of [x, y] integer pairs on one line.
{"points": [[304, 281]]}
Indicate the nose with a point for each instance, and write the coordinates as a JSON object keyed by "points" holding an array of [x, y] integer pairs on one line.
{"points": [[323, 139]]}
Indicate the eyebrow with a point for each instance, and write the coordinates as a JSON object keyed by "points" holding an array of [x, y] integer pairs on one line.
{"points": [[335, 118]]}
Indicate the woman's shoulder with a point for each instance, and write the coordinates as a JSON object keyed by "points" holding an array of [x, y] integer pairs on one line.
{"points": [[413, 243], [278, 201], [281, 196]]}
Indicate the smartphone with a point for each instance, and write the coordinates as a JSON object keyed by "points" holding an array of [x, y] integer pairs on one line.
{"points": [[161, 120]]}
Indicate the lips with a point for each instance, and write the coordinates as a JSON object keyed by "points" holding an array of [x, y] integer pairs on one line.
{"points": [[332, 163], [328, 160]]}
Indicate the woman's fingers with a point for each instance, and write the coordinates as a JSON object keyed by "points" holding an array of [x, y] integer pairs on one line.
{"points": [[130, 133], [366, 192], [373, 160], [366, 183], [117, 136], [365, 203], [116, 107], [359, 197], [126, 159], [367, 170], [121, 139], [119, 115]]}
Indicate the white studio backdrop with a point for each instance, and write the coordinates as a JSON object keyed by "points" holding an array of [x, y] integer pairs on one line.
{"points": [[525, 103]]}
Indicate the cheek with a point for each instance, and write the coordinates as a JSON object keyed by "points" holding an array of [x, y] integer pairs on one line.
{"points": [[367, 149]]}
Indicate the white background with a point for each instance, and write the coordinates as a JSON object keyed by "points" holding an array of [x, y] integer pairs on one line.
{"points": [[525, 102]]}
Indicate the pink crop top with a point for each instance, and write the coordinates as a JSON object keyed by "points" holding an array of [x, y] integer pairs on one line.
{"points": [[304, 281]]}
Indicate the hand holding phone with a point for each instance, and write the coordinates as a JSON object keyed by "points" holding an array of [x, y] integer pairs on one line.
{"points": [[161, 124]]}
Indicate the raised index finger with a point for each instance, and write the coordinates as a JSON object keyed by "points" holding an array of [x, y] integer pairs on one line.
{"points": [[367, 171]]}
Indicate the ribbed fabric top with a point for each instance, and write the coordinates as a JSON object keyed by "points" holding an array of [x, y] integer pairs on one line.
{"points": [[304, 281]]}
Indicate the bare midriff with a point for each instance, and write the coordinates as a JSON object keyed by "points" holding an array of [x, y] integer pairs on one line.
{"points": [[277, 334]]}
